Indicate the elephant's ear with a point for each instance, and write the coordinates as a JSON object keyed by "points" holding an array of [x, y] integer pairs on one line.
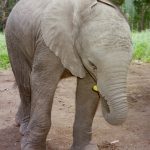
{"points": [[59, 26]]}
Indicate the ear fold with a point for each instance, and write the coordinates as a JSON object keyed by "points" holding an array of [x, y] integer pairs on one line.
{"points": [[59, 28]]}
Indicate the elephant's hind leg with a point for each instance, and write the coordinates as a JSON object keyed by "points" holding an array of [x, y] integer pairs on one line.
{"points": [[46, 72], [86, 105], [21, 70]]}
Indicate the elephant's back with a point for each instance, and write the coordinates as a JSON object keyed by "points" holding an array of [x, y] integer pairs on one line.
{"points": [[24, 22], [26, 12]]}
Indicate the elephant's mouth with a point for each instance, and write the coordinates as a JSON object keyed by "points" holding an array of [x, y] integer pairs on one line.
{"points": [[105, 104], [103, 100]]}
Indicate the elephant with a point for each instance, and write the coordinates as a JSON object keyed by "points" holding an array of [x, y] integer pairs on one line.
{"points": [[92, 40]]}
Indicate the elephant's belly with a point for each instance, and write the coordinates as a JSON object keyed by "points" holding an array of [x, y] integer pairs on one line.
{"points": [[66, 74]]}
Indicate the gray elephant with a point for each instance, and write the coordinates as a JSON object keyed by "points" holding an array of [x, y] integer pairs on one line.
{"points": [[89, 38]]}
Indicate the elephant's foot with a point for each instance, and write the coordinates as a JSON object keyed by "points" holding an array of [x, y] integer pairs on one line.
{"points": [[86, 147], [31, 147], [27, 143], [91, 147]]}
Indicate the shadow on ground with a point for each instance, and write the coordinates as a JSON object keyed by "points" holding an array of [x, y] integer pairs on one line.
{"points": [[10, 137], [10, 140]]}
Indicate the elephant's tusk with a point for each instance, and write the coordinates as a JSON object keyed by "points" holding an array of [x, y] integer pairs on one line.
{"points": [[94, 88]]}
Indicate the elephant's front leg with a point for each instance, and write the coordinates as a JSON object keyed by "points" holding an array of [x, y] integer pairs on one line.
{"points": [[45, 76], [86, 105]]}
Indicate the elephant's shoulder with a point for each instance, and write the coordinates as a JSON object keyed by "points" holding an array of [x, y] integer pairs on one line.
{"points": [[25, 16], [28, 10]]}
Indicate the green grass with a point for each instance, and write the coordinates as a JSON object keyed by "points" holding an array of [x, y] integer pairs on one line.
{"points": [[4, 61], [141, 43]]}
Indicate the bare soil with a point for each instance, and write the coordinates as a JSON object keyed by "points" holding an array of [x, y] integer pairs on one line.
{"points": [[134, 134]]}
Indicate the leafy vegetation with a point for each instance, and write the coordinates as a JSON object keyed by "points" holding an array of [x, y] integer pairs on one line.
{"points": [[138, 14], [141, 43], [5, 8], [4, 60]]}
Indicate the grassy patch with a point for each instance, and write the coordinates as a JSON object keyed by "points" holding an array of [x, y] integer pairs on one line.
{"points": [[141, 43], [4, 61]]}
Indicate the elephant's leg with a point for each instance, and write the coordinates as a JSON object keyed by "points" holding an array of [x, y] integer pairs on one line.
{"points": [[46, 72], [23, 113], [21, 73], [19, 115], [21, 69], [86, 105]]}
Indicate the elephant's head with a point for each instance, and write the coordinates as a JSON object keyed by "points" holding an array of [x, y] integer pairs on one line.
{"points": [[93, 36]]}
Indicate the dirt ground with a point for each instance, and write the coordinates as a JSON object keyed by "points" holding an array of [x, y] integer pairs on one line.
{"points": [[134, 134]]}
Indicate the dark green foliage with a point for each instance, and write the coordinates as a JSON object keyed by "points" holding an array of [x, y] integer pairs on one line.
{"points": [[142, 8], [4, 61], [141, 46], [5, 8], [138, 13], [118, 2]]}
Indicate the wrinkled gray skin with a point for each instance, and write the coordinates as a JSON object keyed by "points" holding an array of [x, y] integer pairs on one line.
{"points": [[91, 40]]}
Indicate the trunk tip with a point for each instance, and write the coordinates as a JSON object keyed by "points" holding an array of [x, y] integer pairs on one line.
{"points": [[115, 122]]}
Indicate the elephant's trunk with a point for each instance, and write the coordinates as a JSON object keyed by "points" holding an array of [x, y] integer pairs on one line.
{"points": [[112, 84], [114, 105]]}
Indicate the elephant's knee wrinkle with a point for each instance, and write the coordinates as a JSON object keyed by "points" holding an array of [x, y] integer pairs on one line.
{"points": [[39, 128]]}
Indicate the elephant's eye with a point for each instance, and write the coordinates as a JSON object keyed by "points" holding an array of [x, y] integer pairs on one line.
{"points": [[93, 66]]}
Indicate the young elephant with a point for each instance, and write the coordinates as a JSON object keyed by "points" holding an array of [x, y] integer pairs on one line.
{"points": [[89, 38]]}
